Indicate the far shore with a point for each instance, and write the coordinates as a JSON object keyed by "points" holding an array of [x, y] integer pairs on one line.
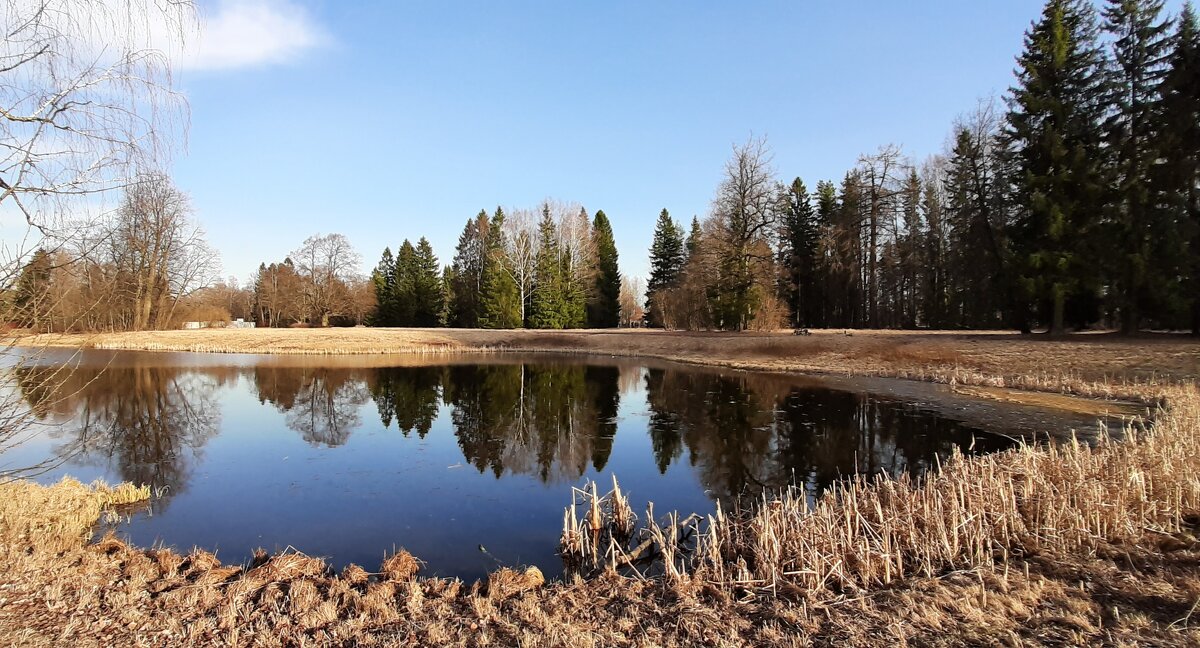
{"points": [[1099, 365]]}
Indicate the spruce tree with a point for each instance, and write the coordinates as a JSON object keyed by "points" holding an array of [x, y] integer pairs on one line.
{"points": [[427, 286], [799, 237], [468, 267], [666, 261], [546, 306], [405, 293], [501, 299], [1140, 231], [1054, 128], [827, 207], [693, 240], [449, 282], [384, 281], [976, 263], [1180, 146], [604, 310]]}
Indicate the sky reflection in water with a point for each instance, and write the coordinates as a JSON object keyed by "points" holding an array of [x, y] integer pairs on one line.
{"points": [[349, 463]]}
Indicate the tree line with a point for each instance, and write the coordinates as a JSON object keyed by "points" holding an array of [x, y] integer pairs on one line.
{"points": [[553, 268], [1077, 204]]}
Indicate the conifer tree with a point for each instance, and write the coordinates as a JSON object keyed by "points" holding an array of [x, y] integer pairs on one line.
{"points": [[546, 306], [427, 286], [501, 299], [693, 239], [666, 261], [1180, 146], [1140, 230], [974, 242], [449, 281], [799, 237], [384, 281], [468, 267], [405, 294], [604, 311], [1053, 126]]}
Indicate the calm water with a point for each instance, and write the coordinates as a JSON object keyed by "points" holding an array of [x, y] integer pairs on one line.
{"points": [[349, 462]]}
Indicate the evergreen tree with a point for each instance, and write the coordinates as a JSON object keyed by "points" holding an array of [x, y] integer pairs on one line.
{"points": [[604, 310], [547, 305], [693, 239], [827, 208], [799, 241], [908, 256], [1180, 146], [468, 268], [384, 281], [428, 296], [1140, 231], [449, 281], [976, 263], [501, 299], [666, 261], [405, 294], [1053, 125], [32, 302]]}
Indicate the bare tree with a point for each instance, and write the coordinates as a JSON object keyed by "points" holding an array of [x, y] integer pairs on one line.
{"points": [[631, 308], [328, 266], [520, 251], [880, 176], [744, 220], [159, 253], [86, 97], [86, 100]]}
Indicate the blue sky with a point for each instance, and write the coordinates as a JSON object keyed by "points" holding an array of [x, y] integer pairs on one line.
{"points": [[386, 120]]}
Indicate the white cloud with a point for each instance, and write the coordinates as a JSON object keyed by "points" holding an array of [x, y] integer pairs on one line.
{"points": [[249, 33]]}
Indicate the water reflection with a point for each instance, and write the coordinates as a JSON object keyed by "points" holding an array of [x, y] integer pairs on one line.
{"points": [[738, 433], [321, 404], [350, 461], [150, 423]]}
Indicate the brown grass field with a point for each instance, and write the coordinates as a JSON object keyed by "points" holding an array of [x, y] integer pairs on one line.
{"points": [[1070, 545]]}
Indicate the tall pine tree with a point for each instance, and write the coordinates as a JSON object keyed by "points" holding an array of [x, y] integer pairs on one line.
{"points": [[383, 279], [799, 239], [1140, 230], [501, 300], [546, 308], [1180, 146], [1054, 128], [427, 287], [604, 310], [666, 262]]}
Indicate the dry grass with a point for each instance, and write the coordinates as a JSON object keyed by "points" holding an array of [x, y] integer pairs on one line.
{"points": [[973, 513], [1088, 364]]}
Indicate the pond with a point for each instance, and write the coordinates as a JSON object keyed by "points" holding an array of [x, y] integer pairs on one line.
{"points": [[351, 458]]}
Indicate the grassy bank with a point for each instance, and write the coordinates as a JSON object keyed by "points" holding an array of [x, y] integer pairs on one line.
{"points": [[1075, 545], [1090, 364]]}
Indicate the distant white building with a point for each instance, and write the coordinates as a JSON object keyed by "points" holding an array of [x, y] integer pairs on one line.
{"points": [[238, 323]]}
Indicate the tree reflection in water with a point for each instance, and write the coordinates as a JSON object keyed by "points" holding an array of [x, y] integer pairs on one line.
{"points": [[547, 420], [149, 423], [555, 421], [744, 433], [321, 404]]}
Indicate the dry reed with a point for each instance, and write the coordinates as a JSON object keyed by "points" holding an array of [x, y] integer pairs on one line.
{"points": [[971, 513]]}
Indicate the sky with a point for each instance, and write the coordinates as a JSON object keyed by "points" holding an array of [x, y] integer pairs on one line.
{"points": [[388, 120]]}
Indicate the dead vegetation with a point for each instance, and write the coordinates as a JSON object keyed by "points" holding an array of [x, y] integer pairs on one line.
{"points": [[1086, 364]]}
